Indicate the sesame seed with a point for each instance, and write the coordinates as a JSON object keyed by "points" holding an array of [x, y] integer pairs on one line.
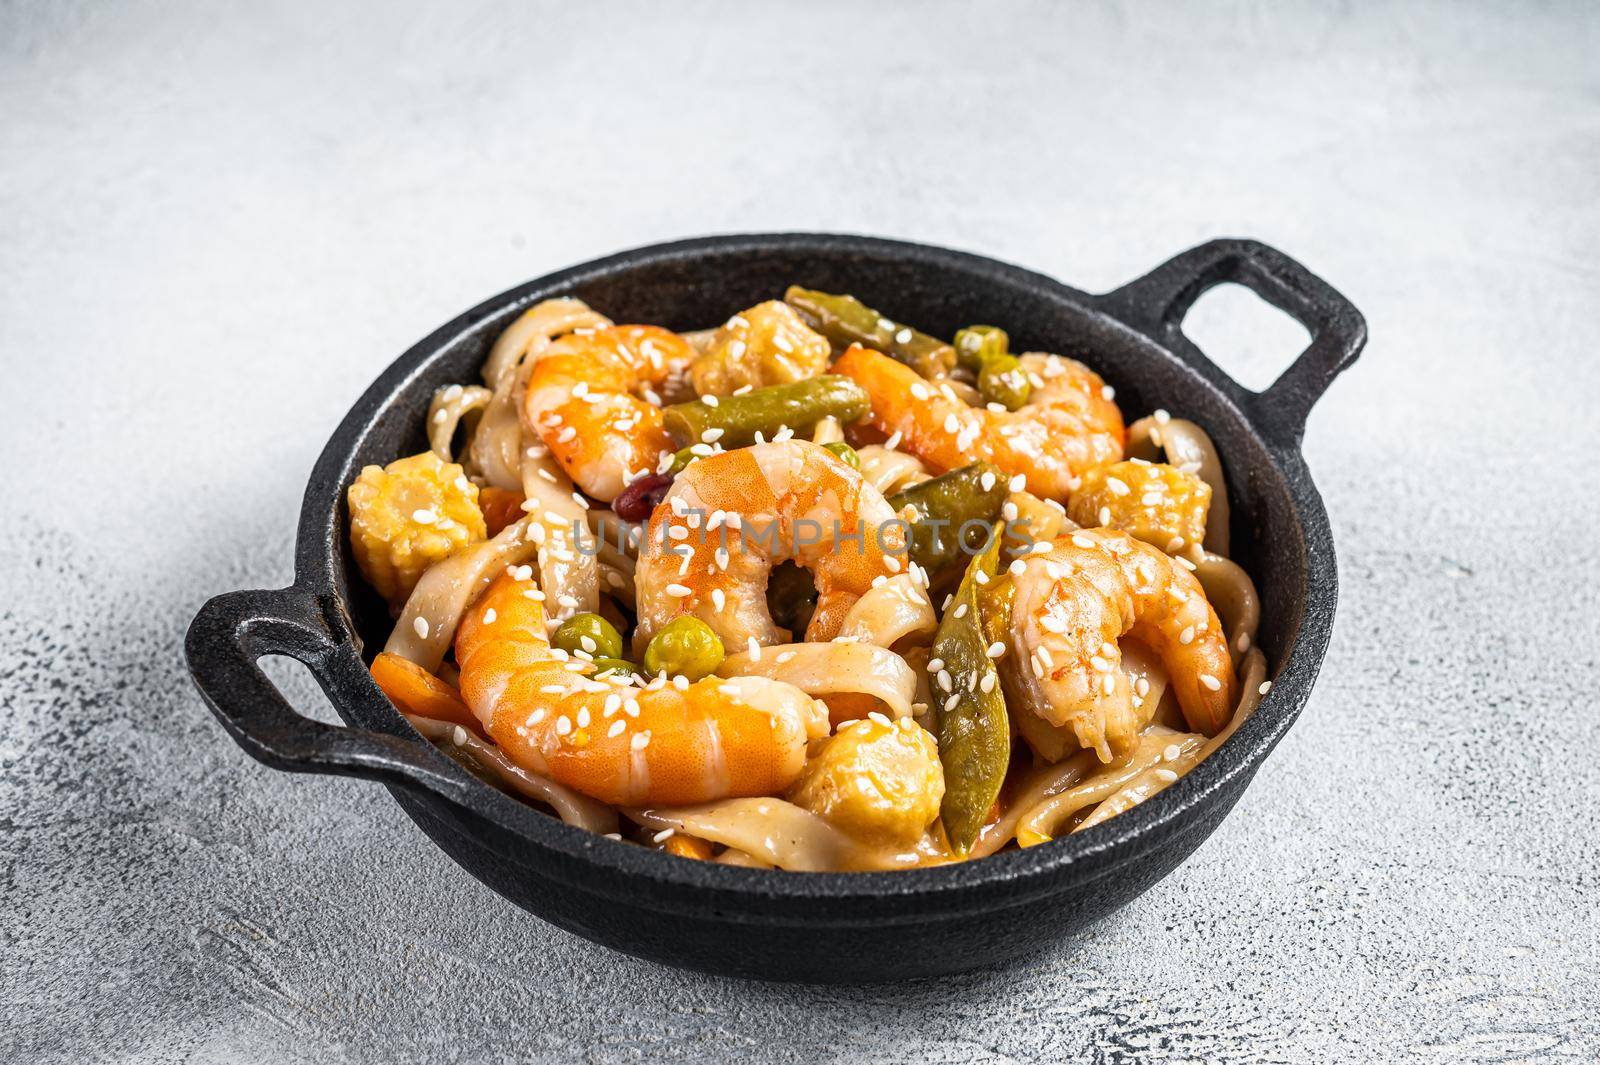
{"points": [[678, 591], [489, 616], [903, 337], [664, 835], [711, 436], [1166, 775], [566, 435], [1018, 483], [1118, 486], [1105, 515], [1211, 683], [424, 517], [986, 685], [996, 649], [951, 423], [563, 725], [1162, 417], [1186, 637], [961, 611], [420, 627], [893, 442], [1242, 644], [640, 740], [951, 703], [1266, 686], [710, 401]]}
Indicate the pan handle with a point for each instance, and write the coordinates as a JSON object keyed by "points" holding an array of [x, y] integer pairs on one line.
{"points": [[224, 641], [1156, 305]]}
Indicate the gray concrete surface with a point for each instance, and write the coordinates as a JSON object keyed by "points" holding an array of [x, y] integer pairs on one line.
{"points": [[218, 224]]}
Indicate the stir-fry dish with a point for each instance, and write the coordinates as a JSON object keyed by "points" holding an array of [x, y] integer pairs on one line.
{"points": [[811, 590]]}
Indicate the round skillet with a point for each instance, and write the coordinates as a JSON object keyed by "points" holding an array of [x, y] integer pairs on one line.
{"points": [[836, 927]]}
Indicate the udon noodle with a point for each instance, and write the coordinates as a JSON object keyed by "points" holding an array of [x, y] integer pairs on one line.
{"points": [[802, 591]]}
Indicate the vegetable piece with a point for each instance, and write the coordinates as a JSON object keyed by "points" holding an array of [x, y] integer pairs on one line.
{"points": [[602, 666], [681, 459], [589, 633], [686, 647], [408, 515], [877, 780], [846, 452], [974, 733], [845, 320], [416, 691], [687, 847], [500, 508], [948, 511], [735, 420], [640, 499], [978, 343], [1159, 504], [1002, 380], [769, 344]]}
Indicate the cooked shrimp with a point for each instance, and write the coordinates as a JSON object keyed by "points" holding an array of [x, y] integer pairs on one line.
{"points": [[663, 744], [1068, 425], [584, 401], [730, 517], [1075, 601]]}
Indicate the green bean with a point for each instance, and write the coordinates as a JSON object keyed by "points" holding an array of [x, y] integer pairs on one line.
{"points": [[734, 421], [944, 508], [603, 640], [686, 647], [977, 343], [845, 320], [846, 452], [974, 733], [1002, 381]]}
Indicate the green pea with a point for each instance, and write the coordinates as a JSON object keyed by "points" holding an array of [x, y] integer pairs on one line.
{"points": [[1003, 381], [604, 641], [687, 646], [846, 452], [978, 343], [602, 666], [681, 459]]}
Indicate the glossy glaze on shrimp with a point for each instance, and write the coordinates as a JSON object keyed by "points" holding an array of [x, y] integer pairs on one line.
{"points": [[1069, 423], [1075, 601], [730, 517], [590, 396], [667, 743]]}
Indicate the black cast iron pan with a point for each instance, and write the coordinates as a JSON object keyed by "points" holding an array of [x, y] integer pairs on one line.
{"points": [[824, 927]]}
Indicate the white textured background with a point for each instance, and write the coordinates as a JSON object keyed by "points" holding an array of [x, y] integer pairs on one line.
{"points": [[218, 223]]}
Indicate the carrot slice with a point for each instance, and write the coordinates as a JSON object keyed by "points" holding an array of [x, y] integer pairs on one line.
{"points": [[500, 508], [688, 847], [416, 691]]}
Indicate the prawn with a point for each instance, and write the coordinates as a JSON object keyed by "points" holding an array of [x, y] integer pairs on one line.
{"points": [[663, 744], [731, 516], [1068, 425], [595, 399], [1074, 601]]}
